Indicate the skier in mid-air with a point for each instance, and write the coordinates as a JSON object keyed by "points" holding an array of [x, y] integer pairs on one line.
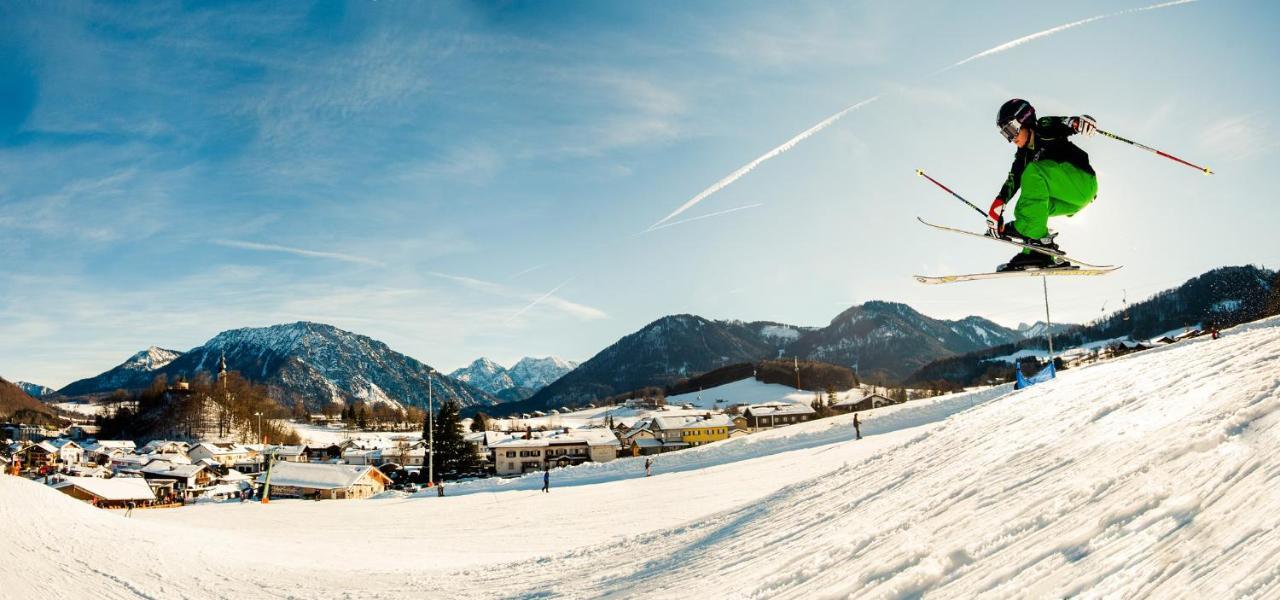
{"points": [[1054, 175]]}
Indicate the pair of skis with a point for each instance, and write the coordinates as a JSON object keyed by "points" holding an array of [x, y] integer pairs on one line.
{"points": [[1066, 264]]}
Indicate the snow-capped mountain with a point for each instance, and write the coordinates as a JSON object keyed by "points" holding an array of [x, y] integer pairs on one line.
{"points": [[313, 362], [537, 373], [136, 372], [522, 380], [34, 390], [1039, 329], [486, 375], [889, 340], [321, 364]]}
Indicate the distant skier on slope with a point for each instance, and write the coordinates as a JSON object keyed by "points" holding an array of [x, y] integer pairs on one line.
{"points": [[1054, 175]]}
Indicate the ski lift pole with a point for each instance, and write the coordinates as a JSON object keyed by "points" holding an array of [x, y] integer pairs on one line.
{"points": [[1113, 136], [1048, 323]]}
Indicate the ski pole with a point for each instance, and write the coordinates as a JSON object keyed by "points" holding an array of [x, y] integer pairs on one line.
{"points": [[1150, 149], [921, 173]]}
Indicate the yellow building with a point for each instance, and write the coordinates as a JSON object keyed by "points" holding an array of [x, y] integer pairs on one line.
{"points": [[705, 430]]}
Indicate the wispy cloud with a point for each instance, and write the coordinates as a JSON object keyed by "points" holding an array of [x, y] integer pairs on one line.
{"points": [[734, 176], [1052, 30], [701, 217], [298, 251], [574, 309]]}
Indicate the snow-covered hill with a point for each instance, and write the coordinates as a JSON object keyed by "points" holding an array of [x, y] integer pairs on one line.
{"points": [[1153, 475], [136, 372], [34, 390]]}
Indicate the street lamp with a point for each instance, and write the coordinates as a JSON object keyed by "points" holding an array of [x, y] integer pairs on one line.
{"points": [[259, 415], [431, 432]]}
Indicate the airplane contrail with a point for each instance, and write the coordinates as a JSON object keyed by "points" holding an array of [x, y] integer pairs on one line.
{"points": [[734, 176], [701, 217], [1052, 30], [538, 300]]}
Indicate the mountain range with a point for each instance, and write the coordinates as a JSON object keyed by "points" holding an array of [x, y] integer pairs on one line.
{"points": [[522, 380], [883, 340], [314, 363]]}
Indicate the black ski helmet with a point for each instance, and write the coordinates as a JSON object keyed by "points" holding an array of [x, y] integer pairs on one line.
{"points": [[1013, 116]]}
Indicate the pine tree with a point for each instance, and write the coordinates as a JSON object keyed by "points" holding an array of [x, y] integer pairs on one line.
{"points": [[452, 452]]}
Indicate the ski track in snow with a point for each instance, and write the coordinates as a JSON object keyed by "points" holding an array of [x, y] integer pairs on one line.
{"points": [[1153, 475]]}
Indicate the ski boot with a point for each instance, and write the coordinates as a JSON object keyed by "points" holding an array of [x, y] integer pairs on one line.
{"points": [[1035, 261], [1011, 233]]}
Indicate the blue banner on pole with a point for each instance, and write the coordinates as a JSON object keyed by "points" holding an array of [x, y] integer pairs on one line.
{"points": [[1045, 374]]}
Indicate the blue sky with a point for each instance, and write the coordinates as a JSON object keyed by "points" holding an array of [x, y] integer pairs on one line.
{"points": [[474, 179]]}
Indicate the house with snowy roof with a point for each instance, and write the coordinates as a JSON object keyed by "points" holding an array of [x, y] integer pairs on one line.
{"points": [[164, 447], [777, 414], [117, 492], [323, 452], [225, 454], [69, 452], [324, 481], [287, 453], [39, 456], [538, 450], [859, 403], [187, 480]]}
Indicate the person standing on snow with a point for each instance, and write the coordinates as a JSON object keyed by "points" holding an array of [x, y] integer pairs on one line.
{"points": [[648, 467], [546, 480], [857, 427], [1054, 175]]}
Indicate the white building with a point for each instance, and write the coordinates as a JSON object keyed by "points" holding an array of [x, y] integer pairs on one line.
{"points": [[537, 450]]}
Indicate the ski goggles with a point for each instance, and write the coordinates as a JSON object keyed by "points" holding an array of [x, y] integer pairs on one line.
{"points": [[1010, 130]]}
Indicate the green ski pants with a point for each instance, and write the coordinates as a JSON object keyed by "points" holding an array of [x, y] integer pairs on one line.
{"points": [[1051, 189]]}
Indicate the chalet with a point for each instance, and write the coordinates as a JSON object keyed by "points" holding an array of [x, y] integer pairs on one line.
{"points": [[322, 481], [777, 414], [323, 453], [69, 452], [224, 454], [293, 454], [408, 455], [360, 456], [188, 479], [107, 493], [856, 404], [163, 447], [38, 457]]}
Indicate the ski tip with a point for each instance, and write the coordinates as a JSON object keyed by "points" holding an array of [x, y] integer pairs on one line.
{"points": [[1207, 171], [920, 172]]}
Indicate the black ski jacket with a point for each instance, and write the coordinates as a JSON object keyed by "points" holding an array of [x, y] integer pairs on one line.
{"points": [[1048, 142]]}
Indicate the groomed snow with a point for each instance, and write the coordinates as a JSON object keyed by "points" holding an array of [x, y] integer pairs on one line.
{"points": [[1153, 475]]}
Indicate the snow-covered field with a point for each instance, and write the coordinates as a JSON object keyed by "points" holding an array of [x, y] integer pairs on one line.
{"points": [[1155, 475]]}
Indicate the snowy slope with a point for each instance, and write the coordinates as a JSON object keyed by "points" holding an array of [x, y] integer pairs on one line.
{"points": [[743, 391], [486, 375], [34, 390], [1154, 475], [136, 372]]}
